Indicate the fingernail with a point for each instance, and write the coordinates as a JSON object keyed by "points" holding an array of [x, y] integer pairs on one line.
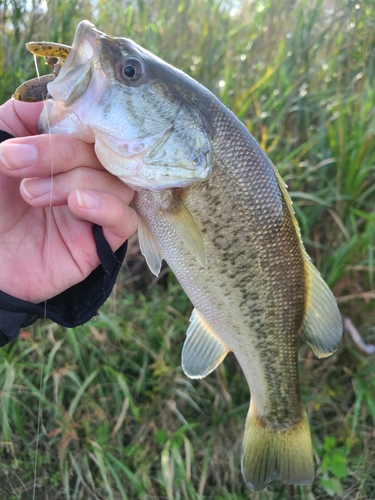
{"points": [[17, 155], [87, 200], [33, 188]]}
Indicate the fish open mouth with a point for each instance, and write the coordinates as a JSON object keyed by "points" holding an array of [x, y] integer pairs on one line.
{"points": [[75, 75], [80, 71]]}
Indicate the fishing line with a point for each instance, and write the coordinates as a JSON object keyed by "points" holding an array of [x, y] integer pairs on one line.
{"points": [[48, 212]]}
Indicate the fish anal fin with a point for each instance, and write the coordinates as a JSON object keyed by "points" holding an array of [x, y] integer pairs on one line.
{"points": [[322, 327], [270, 453], [203, 350], [149, 248], [184, 224]]}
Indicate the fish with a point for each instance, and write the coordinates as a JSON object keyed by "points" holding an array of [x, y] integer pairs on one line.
{"points": [[215, 208]]}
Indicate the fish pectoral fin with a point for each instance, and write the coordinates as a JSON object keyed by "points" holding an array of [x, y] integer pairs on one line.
{"points": [[203, 350], [322, 327], [270, 452], [183, 223], [149, 248]]}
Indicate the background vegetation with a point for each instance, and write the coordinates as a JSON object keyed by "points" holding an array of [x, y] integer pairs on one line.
{"points": [[119, 420]]}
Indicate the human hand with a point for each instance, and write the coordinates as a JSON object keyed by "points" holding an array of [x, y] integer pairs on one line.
{"points": [[43, 252]]}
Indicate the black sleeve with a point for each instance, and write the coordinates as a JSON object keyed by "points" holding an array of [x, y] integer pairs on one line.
{"points": [[72, 307]]}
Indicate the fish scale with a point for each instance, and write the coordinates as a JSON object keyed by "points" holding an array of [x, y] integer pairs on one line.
{"points": [[215, 208]]}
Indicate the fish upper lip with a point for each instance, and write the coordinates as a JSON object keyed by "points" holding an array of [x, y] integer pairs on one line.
{"points": [[93, 36], [76, 74], [86, 30]]}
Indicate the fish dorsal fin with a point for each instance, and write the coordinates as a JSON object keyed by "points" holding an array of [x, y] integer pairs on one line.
{"points": [[183, 223], [322, 327], [203, 350], [284, 190], [149, 248]]}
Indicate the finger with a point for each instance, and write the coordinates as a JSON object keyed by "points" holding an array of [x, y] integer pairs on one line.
{"points": [[40, 155], [28, 113], [118, 220], [20, 118], [45, 191]]}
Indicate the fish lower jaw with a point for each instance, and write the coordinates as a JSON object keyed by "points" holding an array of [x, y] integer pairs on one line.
{"points": [[150, 183], [138, 173], [59, 121]]}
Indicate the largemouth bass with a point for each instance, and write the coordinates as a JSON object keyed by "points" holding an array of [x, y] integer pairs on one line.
{"points": [[215, 208]]}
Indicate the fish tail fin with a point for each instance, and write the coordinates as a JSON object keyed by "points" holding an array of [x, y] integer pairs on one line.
{"points": [[270, 453]]}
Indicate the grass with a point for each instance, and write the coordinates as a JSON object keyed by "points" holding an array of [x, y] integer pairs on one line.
{"points": [[119, 418]]}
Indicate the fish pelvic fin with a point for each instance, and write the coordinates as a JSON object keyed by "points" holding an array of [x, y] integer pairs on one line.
{"points": [[322, 328], [203, 350], [269, 453]]}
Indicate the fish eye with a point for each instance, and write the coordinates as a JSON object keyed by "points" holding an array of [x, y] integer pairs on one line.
{"points": [[132, 70]]}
